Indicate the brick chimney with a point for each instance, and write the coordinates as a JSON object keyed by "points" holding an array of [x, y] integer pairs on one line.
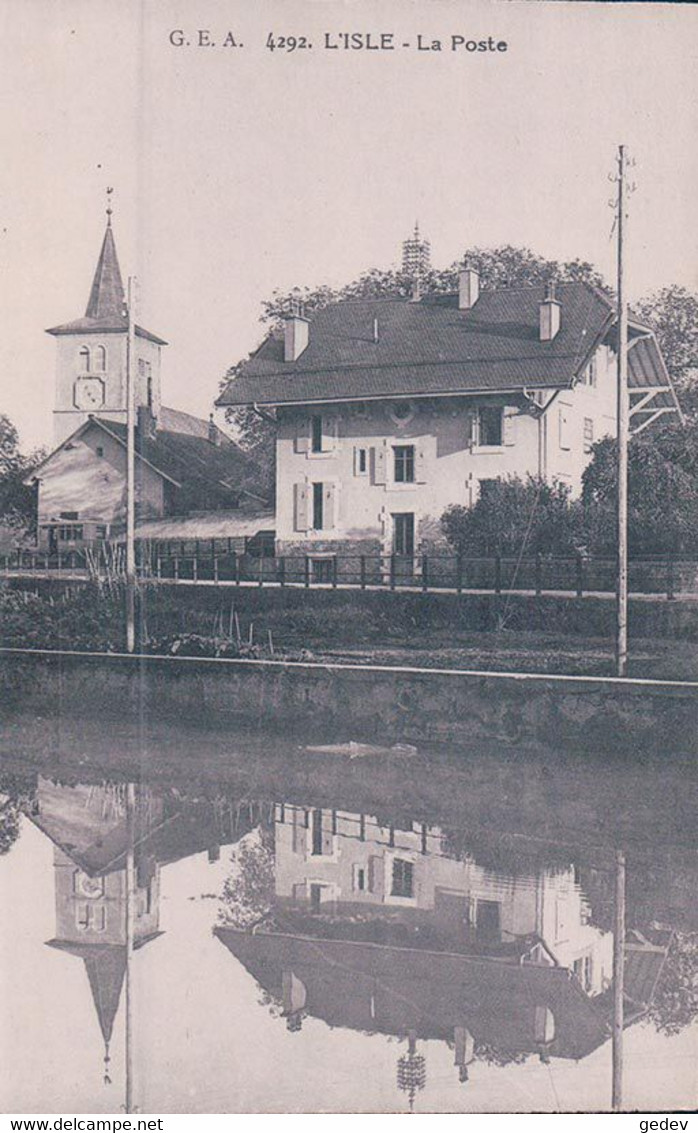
{"points": [[549, 311], [468, 286], [296, 336]]}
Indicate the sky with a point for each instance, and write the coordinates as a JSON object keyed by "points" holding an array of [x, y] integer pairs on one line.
{"points": [[237, 171]]}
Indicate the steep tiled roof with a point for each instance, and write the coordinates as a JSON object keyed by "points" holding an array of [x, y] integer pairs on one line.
{"points": [[376, 987], [105, 306], [107, 292], [190, 460], [428, 347]]}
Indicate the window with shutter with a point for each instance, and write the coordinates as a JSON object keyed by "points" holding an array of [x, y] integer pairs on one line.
{"points": [[564, 427], [490, 426], [318, 507]]}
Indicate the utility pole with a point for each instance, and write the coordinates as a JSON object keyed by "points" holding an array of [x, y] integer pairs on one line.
{"points": [[623, 418], [131, 470], [130, 882], [618, 985]]}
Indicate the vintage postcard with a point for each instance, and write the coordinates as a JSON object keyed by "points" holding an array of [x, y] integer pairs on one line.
{"points": [[348, 560]]}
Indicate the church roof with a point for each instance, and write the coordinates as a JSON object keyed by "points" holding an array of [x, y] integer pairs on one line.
{"points": [[105, 307], [106, 967], [107, 293]]}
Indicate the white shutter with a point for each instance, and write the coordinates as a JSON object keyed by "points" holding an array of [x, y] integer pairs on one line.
{"points": [[300, 507], [471, 429], [302, 441], [420, 463], [329, 505], [509, 425], [380, 463], [330, 433]]}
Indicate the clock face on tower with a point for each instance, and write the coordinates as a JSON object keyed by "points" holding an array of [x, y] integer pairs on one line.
{"points": [[88, 393]]}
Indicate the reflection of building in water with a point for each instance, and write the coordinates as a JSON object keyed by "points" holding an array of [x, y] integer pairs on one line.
{"points": [[89, 831], [88, 828], [378, 928], [348, 865]]}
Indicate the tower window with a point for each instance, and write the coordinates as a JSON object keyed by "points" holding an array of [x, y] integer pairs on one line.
{"points": [[101, 358], [84, 359]]}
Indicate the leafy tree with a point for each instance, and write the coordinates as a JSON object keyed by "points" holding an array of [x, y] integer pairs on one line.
{"points": [[248, 894], [16, 500], [662, 491], [675, 1003], [10, 815], [512, 515]]}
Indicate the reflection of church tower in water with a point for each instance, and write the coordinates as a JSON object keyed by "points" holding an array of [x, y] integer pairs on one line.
{"points": [[90, 847]]}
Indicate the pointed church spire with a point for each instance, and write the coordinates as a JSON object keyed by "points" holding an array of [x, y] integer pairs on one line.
{"points": [[107, 294]]}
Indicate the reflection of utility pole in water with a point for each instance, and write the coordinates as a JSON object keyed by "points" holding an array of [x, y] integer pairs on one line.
{"points": [[130, 892], [131, 470], [618, 989], [623, 412]]}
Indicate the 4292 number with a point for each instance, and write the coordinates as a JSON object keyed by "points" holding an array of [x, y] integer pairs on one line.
{"points": [[287, 42]]}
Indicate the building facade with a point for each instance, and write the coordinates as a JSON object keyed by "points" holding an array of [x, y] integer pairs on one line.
{"points": [[184, 465], [389, 411]]}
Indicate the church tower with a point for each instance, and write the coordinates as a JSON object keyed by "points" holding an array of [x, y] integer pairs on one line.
{"points": [[92, 354]]}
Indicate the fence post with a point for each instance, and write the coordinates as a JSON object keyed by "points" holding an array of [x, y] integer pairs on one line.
{"points": [[498, 574], [261, 570], [307, 572], [539, 575], [58, 559], [236, 568], [459, 573], [195, 567], [362, 572], [334, 573], [281, 570], [215, 568], [392, 572], [670, 593], [580, 575], [176, 567], [425, 573], [158, 567]]}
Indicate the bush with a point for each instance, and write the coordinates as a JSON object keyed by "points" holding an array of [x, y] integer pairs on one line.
{"points": [[513, 516]]}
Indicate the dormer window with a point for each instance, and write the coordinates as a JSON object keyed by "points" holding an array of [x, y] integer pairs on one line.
{"points": [[84, 359]]}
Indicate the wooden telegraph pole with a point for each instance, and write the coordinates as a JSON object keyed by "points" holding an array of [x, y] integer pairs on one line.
{"points": [[131, 470], [623, 417], [130, 882], [618, 984]]}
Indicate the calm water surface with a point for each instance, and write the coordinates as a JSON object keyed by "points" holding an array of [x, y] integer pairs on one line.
{"points": [[327, 924]]}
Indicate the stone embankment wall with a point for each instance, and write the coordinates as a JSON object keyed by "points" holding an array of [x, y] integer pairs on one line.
{"points": [[375, 704]]}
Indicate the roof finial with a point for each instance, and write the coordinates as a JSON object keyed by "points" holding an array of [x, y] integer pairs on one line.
{"points": [[109, 208]]}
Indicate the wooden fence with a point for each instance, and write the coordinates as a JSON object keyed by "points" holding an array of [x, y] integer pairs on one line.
{"points": [[217, 561]]}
